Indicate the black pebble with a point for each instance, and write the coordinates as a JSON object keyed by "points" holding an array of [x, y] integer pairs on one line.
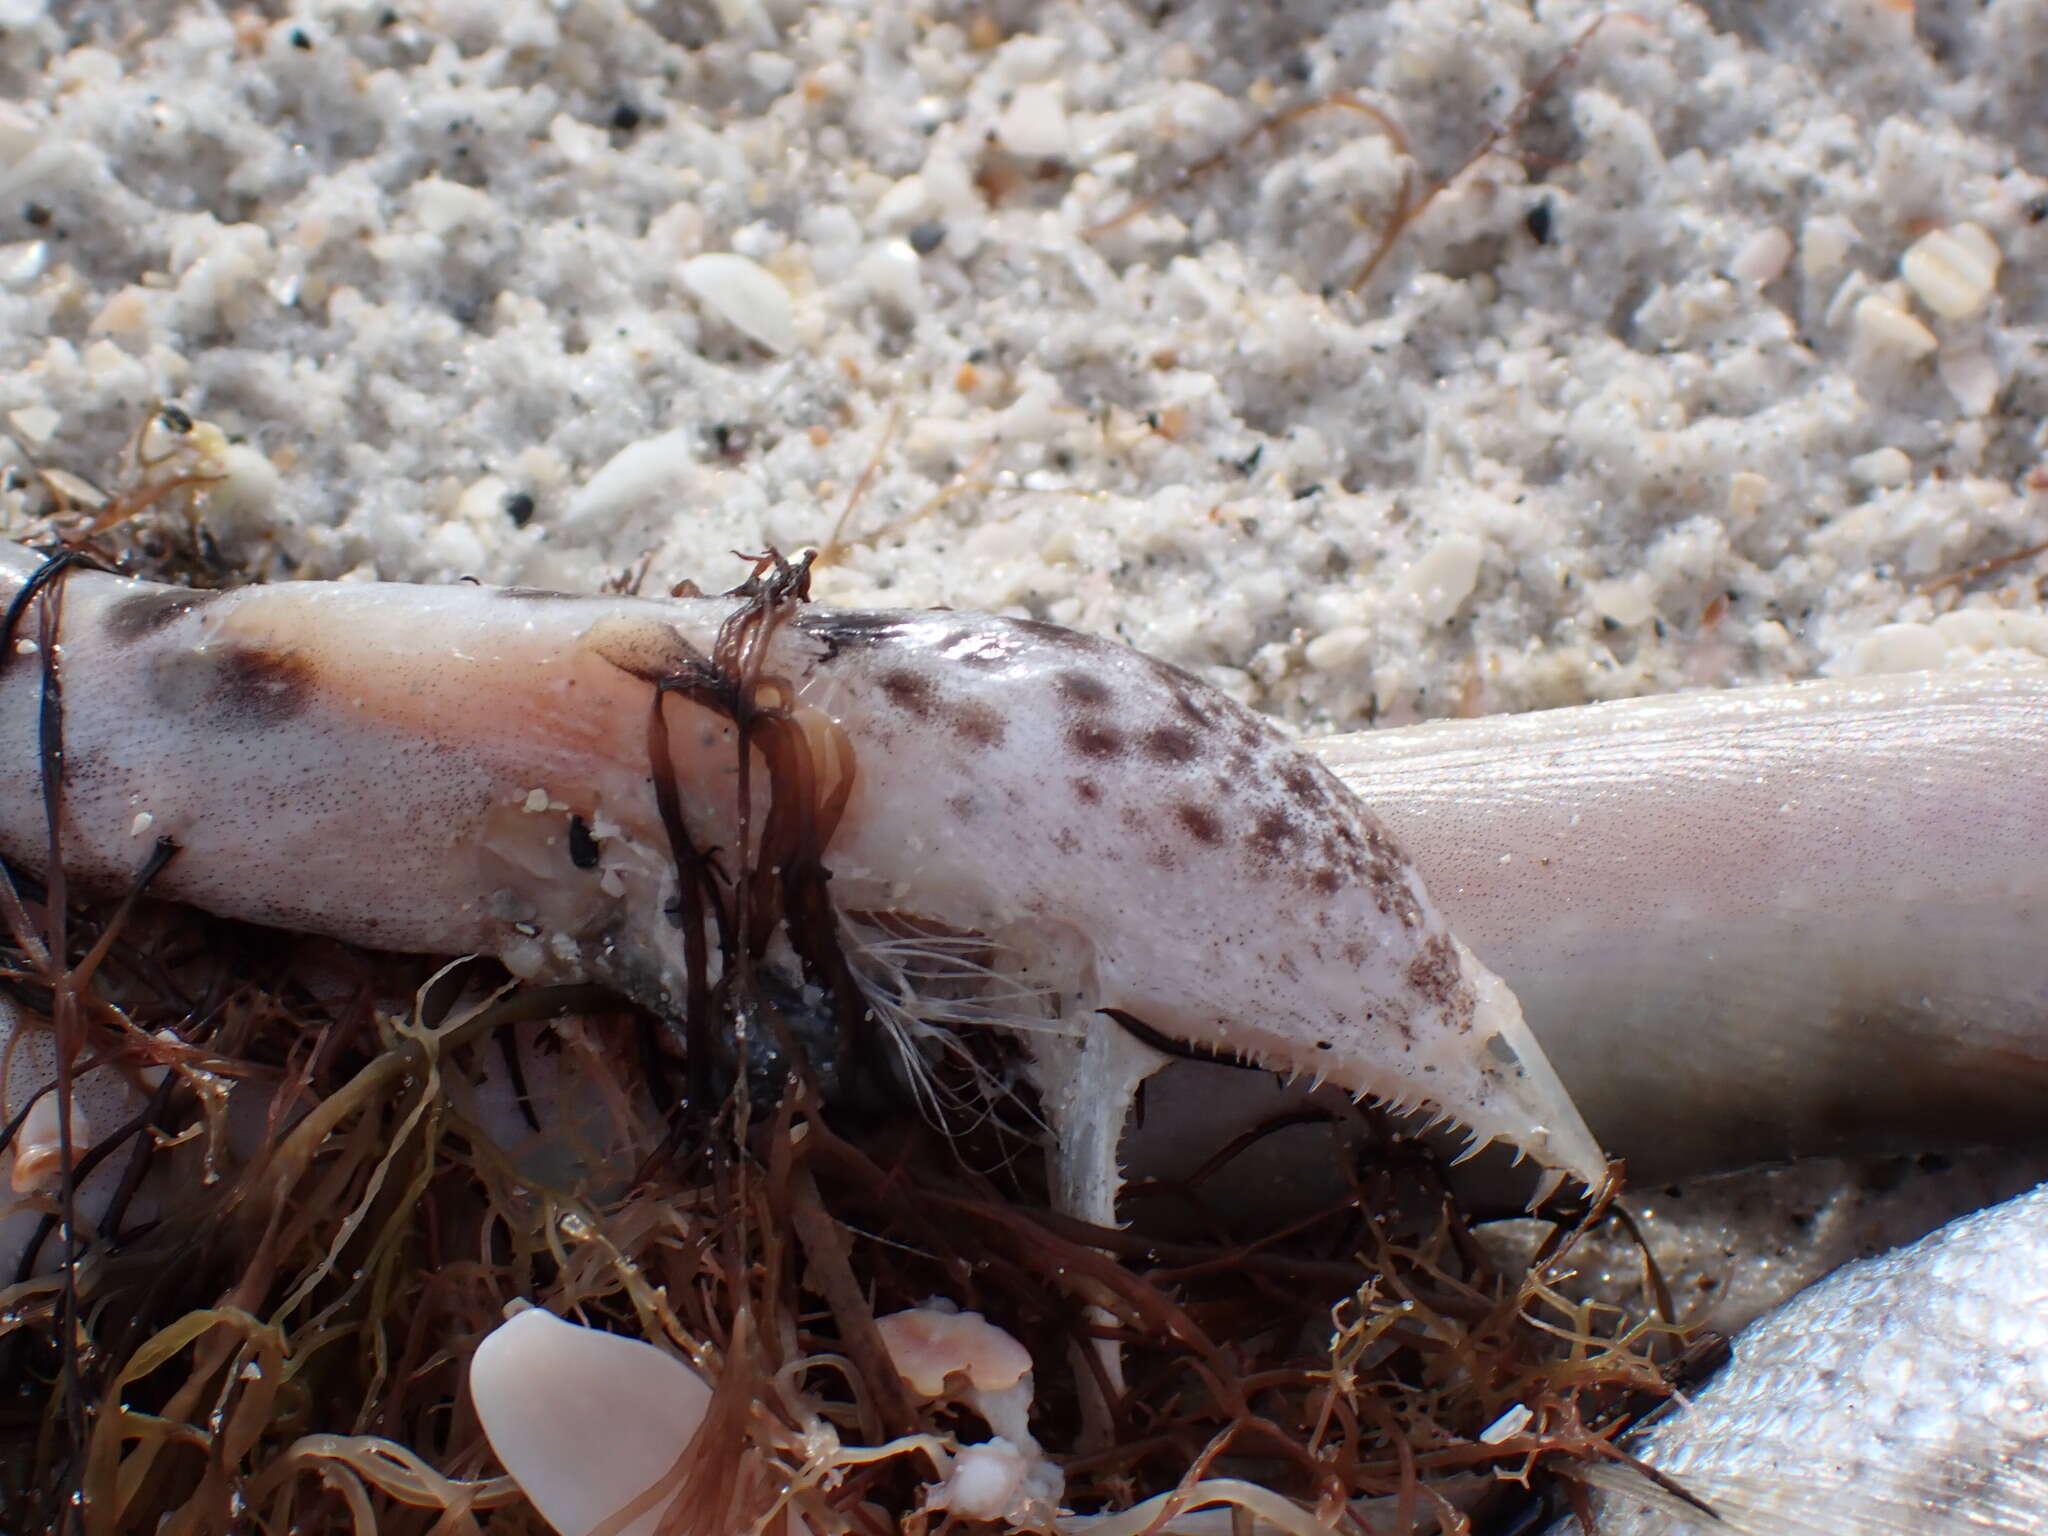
{"points": [[582, 846]]}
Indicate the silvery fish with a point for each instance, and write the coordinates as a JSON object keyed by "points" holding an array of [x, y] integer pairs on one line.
{"points": [[1906, 1395]]}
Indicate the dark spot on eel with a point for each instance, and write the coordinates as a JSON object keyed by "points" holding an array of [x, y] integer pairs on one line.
{"points": [[1272, 834], [1082, 688], [1200, 823], [258, 689], [980, 724], [1087, 791], [1390, 891], [911, 692], [143, 613], [1435, 972], [1095, 740], [1300, 781], [1379, 842], [1171, 744]]}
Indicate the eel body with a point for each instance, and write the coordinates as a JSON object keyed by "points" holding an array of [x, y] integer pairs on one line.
{"points": [[1755, 925], [960, 818], [1744, 926]]}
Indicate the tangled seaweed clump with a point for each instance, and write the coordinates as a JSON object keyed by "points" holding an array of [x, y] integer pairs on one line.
{"points": [[337, 1196]]}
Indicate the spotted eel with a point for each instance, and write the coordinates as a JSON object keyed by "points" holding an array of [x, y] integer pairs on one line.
{"points": [[673, 796]]}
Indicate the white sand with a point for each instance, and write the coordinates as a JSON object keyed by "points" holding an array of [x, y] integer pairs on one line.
{"points": [[1639, 403], [402, 251]]}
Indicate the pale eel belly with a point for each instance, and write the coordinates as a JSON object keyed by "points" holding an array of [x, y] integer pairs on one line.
{"points": [[1761, 924]]}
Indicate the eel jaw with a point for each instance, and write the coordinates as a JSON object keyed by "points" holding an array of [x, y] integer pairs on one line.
{"points": [[1088, 1087], [1519, 1099], [1497, 1084]]}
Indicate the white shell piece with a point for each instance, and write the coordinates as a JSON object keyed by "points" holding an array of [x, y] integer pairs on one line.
{"points": [[584, 1421], [745, 295]]}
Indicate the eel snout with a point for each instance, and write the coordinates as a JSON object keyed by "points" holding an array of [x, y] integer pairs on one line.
{"points": [[1164, 857]]}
